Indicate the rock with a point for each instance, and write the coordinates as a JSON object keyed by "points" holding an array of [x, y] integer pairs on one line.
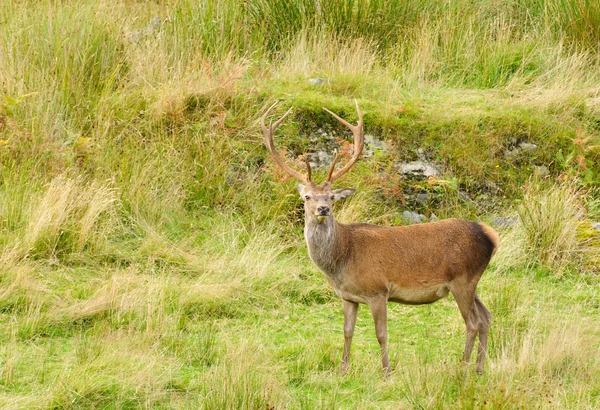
{"points": [[541, 171], [320, 159], [326, 143], [505, 221], [418, 168], [413, 217], [433, 218], [492, 187], [526, 146], [375, 142], [323, 136], [318, 81], [522, 146], [464, 195], [371, 144], [422, 197], [596, 226]]}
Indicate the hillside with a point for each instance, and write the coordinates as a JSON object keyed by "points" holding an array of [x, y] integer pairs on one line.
{"points": [[152, 253]]}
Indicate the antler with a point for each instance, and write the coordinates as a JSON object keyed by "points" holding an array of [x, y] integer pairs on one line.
{"points": [[359, 142], [268, 131]]}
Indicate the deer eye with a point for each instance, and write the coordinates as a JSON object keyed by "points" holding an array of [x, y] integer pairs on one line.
{"points": [[332, 197], [307, 197]]}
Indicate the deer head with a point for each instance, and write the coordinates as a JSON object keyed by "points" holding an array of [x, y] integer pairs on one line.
{"points": [[318, 198]]}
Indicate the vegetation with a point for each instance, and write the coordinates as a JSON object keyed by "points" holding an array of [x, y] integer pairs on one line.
{"points": [[152, 254]]}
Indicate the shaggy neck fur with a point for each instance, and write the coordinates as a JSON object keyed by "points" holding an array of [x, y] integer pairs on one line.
{"points": [[323, 246]]}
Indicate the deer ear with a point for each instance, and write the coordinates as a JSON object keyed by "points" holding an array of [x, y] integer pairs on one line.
{"points": [[300, 188], [342, 193]]}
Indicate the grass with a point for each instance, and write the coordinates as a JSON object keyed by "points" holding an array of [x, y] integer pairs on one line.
{"points": [[152, 254]]}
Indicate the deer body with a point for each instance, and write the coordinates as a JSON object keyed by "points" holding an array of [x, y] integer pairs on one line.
{"points": [[371, 264], [406, 264]]}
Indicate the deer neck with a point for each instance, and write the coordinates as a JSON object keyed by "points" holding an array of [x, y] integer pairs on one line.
{"points": [[325, 244]]}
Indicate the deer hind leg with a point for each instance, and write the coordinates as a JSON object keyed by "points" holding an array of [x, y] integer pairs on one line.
{"points": [[350, 313], [465, 299], [378, 308], [485, 318]]}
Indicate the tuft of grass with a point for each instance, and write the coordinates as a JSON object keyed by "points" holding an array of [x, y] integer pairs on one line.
{"points": [[226, 388], [70, 217], [547, 231], [548, 220]]}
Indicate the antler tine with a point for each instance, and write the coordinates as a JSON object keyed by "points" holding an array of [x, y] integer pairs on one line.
{"points": [[308, 170], [269, 131], [359, 142], [332, 167]]}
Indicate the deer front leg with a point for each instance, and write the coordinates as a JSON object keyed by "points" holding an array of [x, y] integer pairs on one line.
{"points": [[350, 313], [378, 308]]}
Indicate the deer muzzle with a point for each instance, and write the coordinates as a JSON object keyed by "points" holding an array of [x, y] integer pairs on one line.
{"points": [[322, 213]]}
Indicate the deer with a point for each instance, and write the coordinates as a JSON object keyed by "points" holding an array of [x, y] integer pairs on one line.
{"points": [[373, 264]]}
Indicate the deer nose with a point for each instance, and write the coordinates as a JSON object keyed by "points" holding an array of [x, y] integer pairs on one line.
{"points": [[323, 210]]}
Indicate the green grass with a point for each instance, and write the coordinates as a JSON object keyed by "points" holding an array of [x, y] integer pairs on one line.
{"points": [[152, 341], [151, 253]]}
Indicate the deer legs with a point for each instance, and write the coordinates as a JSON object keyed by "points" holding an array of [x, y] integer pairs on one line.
{"points": [[485, 318], [378, 308], [350, 313], [477, 320]]}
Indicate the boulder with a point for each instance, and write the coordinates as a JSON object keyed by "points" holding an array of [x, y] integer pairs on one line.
{"points": [[505, 221], [318, 81], [413, 217], [418, 168]]}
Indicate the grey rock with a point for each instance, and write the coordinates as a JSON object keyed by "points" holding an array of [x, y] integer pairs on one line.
{"points": [[373, 144], [522, 146], [505, 221], [527, 146], [413, 217], [320, 159], [541, 171], [492, 187], [418, 168], [318, 81], [327, 138], [596, 226], [422, 197]]}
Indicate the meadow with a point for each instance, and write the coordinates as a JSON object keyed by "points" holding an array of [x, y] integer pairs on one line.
{"points": [[152, 254]]}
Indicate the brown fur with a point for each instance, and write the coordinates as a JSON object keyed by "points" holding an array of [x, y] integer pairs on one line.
{"points": [[412, 257]]}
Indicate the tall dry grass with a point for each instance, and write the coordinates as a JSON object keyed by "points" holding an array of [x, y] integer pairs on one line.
{"points": [[546, 231]]}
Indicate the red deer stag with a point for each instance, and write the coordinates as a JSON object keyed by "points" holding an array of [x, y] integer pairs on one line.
{"points": [[370, 264]]}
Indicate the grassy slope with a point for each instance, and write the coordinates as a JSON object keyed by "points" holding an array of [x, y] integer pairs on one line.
{"points": [[153, 257]]}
